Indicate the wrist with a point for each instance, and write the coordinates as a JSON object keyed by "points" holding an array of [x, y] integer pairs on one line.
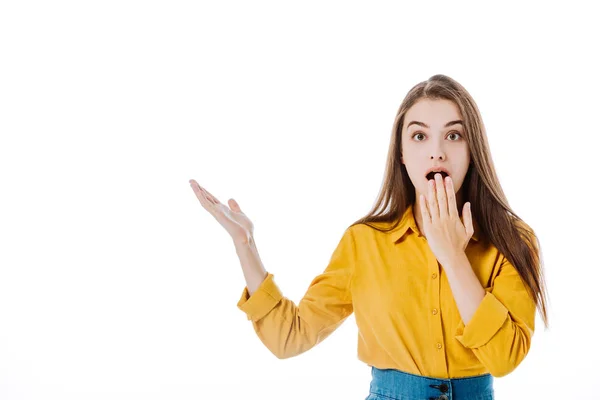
{"points": [[457, 260], [244, 242]]}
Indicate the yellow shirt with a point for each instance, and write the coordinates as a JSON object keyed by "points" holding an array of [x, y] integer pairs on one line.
{"points": [[406, 314]]}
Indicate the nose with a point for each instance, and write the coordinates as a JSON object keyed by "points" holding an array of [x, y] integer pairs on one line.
{"points": [[437, 152], [438, 155]]}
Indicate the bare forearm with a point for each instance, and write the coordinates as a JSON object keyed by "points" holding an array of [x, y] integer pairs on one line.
{"points": [[466, 289], [252, 266]]}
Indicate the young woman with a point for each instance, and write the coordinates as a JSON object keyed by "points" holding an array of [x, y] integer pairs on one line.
{"points": [[443, 277]]}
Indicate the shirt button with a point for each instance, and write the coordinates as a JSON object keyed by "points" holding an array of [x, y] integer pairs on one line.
{"points": [[434, 311], [439, 345], [434, 275]]}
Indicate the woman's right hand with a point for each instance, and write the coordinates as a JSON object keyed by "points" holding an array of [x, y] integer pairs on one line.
{"points": [[232, 218]]}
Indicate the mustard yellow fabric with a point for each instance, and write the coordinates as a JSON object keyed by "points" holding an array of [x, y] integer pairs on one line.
{"points": [[406, 314]]}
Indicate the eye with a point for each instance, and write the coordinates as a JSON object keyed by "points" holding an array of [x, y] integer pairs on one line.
{"points": [[451, 133], [455, 133]]}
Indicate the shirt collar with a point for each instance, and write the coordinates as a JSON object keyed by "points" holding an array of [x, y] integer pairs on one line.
{"points": [[408, 221]]}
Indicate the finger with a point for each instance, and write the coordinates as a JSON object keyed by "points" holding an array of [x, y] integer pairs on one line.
{"points": [[452, 207], [468, 219], [424, 212], [440, 189], [212, 198], [234, 205], [201, 196], [434, 210]]}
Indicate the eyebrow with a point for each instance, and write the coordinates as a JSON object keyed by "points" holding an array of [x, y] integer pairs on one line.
{"points": [[458, 121]]}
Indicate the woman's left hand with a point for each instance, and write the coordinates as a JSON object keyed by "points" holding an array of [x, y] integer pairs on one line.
{"points": [[446, 235]]}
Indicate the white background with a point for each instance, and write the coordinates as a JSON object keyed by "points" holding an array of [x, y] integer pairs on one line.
{"points": [[116, 284]]}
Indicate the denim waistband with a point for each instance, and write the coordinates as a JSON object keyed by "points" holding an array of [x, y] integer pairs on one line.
{"points": [[401, 385]]}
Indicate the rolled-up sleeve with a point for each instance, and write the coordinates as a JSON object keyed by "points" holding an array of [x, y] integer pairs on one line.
{"points": [[500, 331], [287, 329]]}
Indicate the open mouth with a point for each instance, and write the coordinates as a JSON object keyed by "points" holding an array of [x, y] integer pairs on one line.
{"points": [[431, 175]]}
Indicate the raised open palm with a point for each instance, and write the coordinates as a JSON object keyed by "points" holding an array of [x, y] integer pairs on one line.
{"points": [[232, 218]]}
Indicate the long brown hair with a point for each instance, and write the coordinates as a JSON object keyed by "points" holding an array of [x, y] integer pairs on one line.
{"points": [[493, 217]]}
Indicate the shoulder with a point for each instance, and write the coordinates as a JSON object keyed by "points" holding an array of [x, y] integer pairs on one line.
{"points": [[370, 231]]}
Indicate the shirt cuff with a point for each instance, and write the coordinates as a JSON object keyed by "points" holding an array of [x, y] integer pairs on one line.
{"points": [[486, 321], [263, 300]]}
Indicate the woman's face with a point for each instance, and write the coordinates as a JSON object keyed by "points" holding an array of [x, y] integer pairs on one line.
{"points": [[441, 143]]}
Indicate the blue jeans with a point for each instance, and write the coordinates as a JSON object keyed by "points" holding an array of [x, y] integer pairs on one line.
{"points": [[392, 384]]}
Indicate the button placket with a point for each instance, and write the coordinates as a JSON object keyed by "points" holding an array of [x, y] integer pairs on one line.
{"points": [[436, 313]]}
